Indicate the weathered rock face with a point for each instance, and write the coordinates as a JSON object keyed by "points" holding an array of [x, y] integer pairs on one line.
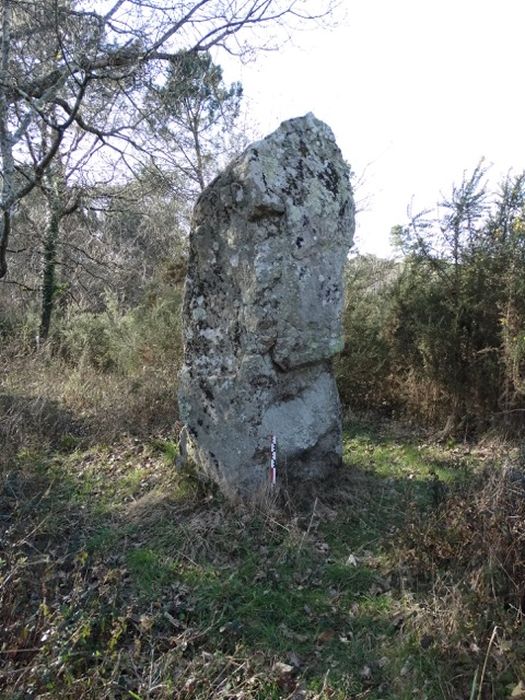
{"points": [[262, 311]]}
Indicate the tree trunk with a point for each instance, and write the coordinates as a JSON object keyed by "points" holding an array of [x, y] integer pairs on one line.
{"points": [[199, 169], [49, 274], [6, 142]]}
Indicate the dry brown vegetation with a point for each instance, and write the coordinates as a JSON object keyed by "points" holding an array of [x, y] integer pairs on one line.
{"points": [[120, 577]]}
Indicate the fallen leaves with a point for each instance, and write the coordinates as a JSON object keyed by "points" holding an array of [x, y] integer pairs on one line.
{"points": [[284, 675], [326, 636], [351, 560], [518, 692]]}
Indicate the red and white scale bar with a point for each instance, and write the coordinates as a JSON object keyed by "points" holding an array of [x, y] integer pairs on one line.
{"points": [[273, 461]]}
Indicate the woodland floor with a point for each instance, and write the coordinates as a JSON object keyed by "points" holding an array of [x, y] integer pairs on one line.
{"points": [[120, 577]]}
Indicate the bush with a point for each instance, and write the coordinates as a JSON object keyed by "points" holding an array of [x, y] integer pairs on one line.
{"points": [[124, 342], [441, 336], [364, 366], [90, 338]]}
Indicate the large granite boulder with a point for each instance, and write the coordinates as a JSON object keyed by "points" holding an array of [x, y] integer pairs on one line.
{"points": [[262, 311]]}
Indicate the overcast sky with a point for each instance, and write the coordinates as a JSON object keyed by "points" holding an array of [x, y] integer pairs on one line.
{"points": [[416, 92]]}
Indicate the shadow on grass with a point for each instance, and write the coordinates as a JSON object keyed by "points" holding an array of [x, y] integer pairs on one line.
{"points": [[118, 579], [37, 421]]}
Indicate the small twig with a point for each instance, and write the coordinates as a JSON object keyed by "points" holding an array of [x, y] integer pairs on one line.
{"points": [[485, 662], [271, 519], [23, 286], [307, 531], [323, 688]]}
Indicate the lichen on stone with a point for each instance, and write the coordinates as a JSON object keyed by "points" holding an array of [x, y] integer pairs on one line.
{"points": [[262, 310]]}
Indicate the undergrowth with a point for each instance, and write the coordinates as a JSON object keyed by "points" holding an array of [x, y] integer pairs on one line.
{"points": [[120, 577]]}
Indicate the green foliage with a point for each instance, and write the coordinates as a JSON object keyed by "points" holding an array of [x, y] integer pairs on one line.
{"points": [[443, 339], [124, 341], [460, 305], [195, 87], [364, 365], [18, 328], [90, 338], [195, 113]]}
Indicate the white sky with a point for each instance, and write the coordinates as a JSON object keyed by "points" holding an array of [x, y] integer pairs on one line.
{"points": [[416, 92]]}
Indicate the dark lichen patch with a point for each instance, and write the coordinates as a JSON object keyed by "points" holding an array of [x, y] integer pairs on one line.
{"points": [[303, 148], [262, 381], [265, 211], [302, 272], [343, 209], [295, 184], [332, 293], [237, 333], [330, 179], [206, 391]]}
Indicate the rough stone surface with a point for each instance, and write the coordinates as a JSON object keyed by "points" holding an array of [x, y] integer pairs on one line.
{"points": [[262, 311]]}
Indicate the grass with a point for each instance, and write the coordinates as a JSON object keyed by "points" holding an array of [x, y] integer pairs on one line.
{"points": [[121, 578]]}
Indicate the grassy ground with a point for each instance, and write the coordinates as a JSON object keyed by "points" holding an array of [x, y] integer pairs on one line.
{"points": [[122, 578]]}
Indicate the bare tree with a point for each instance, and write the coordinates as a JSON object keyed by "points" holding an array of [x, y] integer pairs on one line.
{"points": [[59, 58]]}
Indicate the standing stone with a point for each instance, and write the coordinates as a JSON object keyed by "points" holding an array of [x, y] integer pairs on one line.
{"points": [[262, 311]]}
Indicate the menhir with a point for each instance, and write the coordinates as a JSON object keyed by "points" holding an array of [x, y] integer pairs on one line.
{"points": [[262, 312]]}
